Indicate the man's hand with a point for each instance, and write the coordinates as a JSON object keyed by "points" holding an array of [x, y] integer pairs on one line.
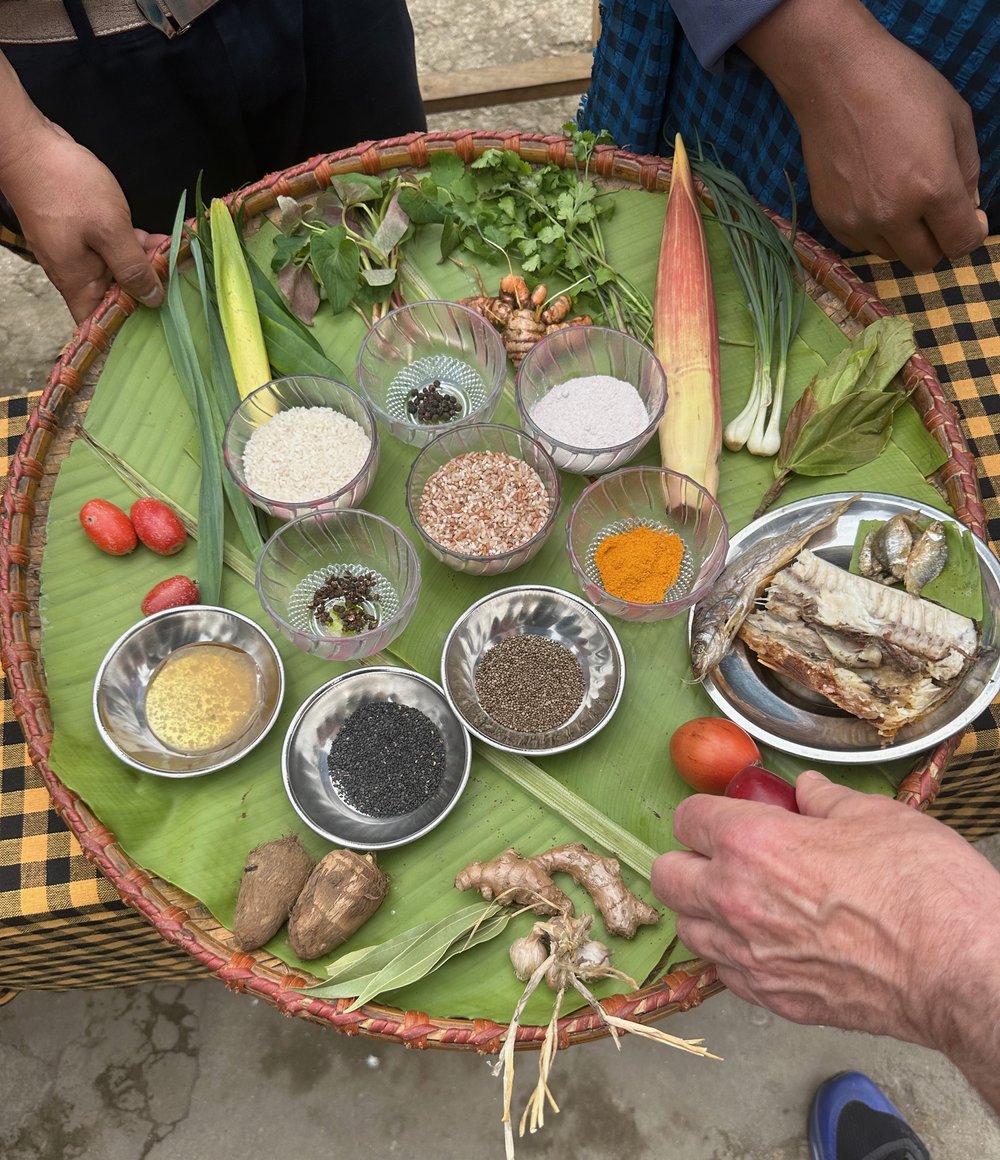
{"points": [[889, 146], [77, 223], [846, 915]]}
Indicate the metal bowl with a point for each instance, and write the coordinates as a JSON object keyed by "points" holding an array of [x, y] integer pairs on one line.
{"points": [[131, 662], [797, 720], [548, 612], [307, 744]]}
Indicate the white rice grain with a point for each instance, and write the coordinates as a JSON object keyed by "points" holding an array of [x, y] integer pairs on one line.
{"points": [[304, 453]]}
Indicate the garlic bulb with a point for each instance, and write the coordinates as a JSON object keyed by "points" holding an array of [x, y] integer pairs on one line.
{"points": [[528, 954]]}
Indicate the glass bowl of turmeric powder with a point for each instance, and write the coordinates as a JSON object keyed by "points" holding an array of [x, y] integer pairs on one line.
{"points": [[646, 543]]}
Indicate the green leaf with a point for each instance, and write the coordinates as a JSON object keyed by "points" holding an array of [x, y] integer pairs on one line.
{"points": [[959, 586], [446, 169], [916, 442], [288, 250], [893, 346], [337, 262], [852, 432], [420, 208], [356, 188]]}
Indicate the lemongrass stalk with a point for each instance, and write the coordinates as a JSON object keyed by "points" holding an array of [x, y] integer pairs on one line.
{"points": [[686, 336]]}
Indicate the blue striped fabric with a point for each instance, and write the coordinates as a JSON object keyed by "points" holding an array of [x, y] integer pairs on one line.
{"points": [[648, 85]]}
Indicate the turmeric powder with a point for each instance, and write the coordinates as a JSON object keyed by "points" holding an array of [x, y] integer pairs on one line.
{"points": [[640, 565]]}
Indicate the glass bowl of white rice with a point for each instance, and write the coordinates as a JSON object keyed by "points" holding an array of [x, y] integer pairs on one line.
{"points": [[339, 585], [302, 444], [593, 397]]}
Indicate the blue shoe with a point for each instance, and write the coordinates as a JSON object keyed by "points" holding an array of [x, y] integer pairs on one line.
{"points": [[851, 1119]]}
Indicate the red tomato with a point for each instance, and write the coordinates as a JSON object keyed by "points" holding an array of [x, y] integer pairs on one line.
{"points": [[756, 784], [709, 751]]}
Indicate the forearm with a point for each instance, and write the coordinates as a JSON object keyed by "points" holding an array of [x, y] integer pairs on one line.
{"points": [[799, 42], [19, 123], [968, 1011]]}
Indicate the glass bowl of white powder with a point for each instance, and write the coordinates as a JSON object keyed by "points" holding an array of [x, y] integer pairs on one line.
{"points": [[340, 584], [592, 397], [302, 444], [429, 367]]}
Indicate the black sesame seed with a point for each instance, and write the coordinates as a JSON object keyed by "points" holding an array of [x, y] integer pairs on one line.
{"points": [[387, 759]]}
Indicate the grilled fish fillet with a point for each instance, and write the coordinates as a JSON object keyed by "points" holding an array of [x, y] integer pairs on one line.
{"points": [[876, 652]]}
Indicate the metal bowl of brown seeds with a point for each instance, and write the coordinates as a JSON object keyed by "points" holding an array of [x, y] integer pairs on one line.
{"points": [[533, 670]]}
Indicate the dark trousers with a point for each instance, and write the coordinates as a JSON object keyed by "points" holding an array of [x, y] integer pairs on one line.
{"points": [[251, 87]]}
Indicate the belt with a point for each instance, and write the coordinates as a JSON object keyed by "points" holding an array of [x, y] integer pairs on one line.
{"points": [[47, 21]]}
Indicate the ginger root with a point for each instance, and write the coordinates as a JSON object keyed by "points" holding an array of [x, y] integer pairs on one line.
{"points": [[521, 315], [623, 912], [509, 878]]}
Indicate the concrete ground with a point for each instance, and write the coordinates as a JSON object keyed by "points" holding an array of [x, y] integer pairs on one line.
{"points": [[171, 1072]]}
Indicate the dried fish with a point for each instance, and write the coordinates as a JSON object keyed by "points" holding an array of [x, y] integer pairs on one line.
{"points": [[717, 618], [879, 653], [927, 558], [892, 544]]}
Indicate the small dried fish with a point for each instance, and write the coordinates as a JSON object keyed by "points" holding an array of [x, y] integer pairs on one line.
{"points": [[717, 618], [892, 544], [927, 558]]}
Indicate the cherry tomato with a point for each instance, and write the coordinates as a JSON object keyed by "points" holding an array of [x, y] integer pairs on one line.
{"points": [[755, 784], [709, 751]]}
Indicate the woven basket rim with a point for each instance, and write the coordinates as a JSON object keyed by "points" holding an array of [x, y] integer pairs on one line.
{"points": [[256, 972]]}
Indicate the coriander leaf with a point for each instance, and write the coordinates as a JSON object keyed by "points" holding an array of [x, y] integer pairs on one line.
{"points": [[337, 261], [446, 168]]}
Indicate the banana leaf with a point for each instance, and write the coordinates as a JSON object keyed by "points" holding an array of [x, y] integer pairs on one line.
{"points": [[196, 833]]}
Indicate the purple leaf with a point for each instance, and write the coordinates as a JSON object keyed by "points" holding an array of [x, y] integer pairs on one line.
{"points": [[299, 287]]}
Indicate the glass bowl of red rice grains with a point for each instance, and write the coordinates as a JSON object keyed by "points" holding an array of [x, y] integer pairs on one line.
{"points": [[646, 543], [302, 444], [483, 498]]}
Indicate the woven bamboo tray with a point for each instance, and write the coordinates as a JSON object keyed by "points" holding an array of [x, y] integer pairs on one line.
{"points": [[181, 919]]}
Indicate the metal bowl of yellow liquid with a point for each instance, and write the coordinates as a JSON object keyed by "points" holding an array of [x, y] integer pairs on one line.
{"points": [[188, 691]]}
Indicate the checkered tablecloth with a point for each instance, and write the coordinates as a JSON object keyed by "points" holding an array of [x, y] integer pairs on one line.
{"points": [[62, 923]]}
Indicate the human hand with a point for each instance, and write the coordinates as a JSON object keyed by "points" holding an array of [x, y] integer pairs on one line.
{"points": [[889, 146], [77, 222], [847, 914]]}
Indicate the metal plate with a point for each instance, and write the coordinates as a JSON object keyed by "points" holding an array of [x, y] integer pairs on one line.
{"points": [[544, 611], [797, 720], [307, 744]]}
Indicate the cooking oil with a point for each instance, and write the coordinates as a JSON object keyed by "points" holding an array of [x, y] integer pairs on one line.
{"points": [[202, 697]]}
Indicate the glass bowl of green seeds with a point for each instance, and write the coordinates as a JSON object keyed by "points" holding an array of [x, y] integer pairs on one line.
{"points": [[339, 585], [533, 669]]}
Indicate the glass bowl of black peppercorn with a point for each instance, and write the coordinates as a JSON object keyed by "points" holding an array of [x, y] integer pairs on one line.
{"points": [[340, 585], [431, 366], [375, 758], [533, 670]]}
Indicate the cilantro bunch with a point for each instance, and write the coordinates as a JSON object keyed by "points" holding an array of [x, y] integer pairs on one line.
{"points": [[546, 220]]}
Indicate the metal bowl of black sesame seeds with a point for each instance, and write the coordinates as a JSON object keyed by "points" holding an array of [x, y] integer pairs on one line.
{"points": [[375, 758], [533, 670]]}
